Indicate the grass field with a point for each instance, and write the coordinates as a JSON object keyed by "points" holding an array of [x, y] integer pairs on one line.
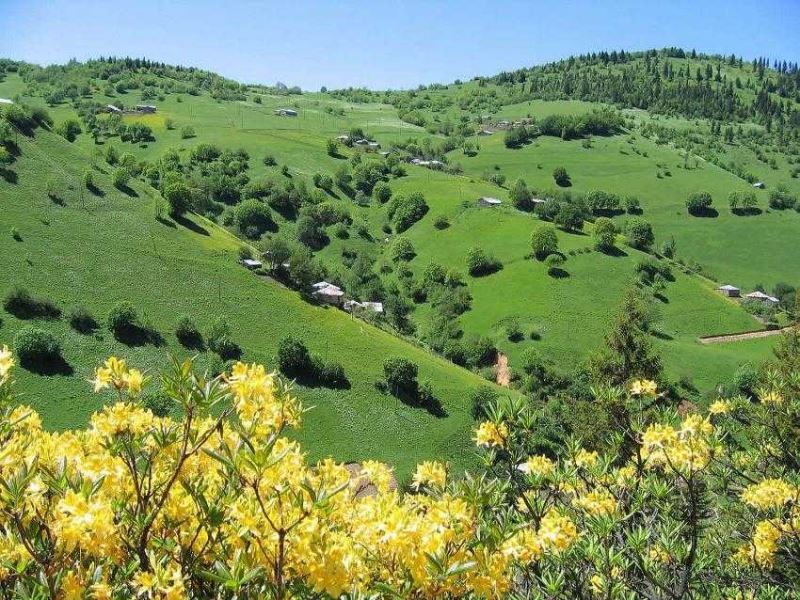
{"points": [[101, 250]]}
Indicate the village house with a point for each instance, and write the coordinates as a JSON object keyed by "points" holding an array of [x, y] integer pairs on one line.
{"points": [[113, 109], [251, 263], [759, 185], [145, 108], [762, 297], [5, 101], [343, 138], [490, 202], [328, 293], [730, 291], [285, 112], [485, 132], [535, 201]]}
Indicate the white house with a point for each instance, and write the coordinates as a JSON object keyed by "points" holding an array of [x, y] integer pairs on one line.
{"points": [[485, 132], [491, 202], [376, 307], [762, 297], [759, 185], [7, 101], [286, 112], [251, 263], [145, 108], [113, 109], [343, 138]]}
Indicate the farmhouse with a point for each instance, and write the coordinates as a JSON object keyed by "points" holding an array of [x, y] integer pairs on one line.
{"points": [[328, 293], [730, 291], [537, 201], [376, 307], [5, 101], [485, 132], [285, 112], [113, 109], [759, 185], [491, 202], [145, 108], [762, 297], [343, 138], [251, 263]]}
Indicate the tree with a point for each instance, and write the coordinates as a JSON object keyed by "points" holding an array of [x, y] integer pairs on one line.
{"points": [[69, 129], [627, 352], [402, 249], [275, 250], [404, 211], [520, 195], [36, 348], [382, 192], [604, 234], [561, 177], [123, 320], [120, 178], [310, 232], [699, 203], [303, 270], [253, 217], [179, 198], [544, 241], [639, 234], [401, 375], [569, 217], [293, 358]]}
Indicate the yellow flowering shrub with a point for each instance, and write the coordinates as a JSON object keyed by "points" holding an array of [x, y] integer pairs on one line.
{"points": [[221, 503]]}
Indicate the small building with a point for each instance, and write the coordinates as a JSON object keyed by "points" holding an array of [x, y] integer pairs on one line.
{"points": [[145, 108], [251, 263], [491, 202], [762, 297], [485, 132], [384, 153], [7, 101], [362, 142], [535, 201], [759, 185], [286, 112], [373, 145], [504, 124], [435, 164], [328, 293], [113, 109], [343, 138], [376, 307], [731, 291]]}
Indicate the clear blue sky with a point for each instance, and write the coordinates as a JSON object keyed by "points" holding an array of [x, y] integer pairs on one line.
{"points": [[381, 43]]}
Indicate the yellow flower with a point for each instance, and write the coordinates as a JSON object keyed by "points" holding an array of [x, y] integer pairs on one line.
{"points": [[430, 473], [643, 387], [133, 380], [584, 458], [538, 465], [720, 407], [6, 362], [770, 397], [100, 591], [764, 545], [556, 531], [770, 493], [659, 554], [491, 434], [598, 502]]}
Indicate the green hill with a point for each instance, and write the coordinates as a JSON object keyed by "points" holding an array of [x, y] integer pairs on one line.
{"points": [[98, 250]]}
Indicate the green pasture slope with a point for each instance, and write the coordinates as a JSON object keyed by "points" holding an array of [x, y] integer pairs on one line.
{"points": [[98, 250]]}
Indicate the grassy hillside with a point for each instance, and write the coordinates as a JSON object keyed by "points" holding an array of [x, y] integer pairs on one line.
{"points": [[102, 249]]}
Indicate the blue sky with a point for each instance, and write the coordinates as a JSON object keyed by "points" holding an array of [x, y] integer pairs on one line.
{"points": [[383, 43]]}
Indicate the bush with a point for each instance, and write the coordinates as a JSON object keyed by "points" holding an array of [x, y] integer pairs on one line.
{"points": [[187, 132], [20, 303], [123, 320], [480, 399], [188, 333], [479, 262], [158, 402], [401, 375], [604, 234], [561, 177], [699, 203], [441, 222], [554, 263], [293, 358], [269, 161], [36, 348], [220, 340], [81, 320]]}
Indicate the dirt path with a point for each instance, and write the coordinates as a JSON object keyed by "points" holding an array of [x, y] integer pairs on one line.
{"points": [[503, 373], [737, 337]]}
